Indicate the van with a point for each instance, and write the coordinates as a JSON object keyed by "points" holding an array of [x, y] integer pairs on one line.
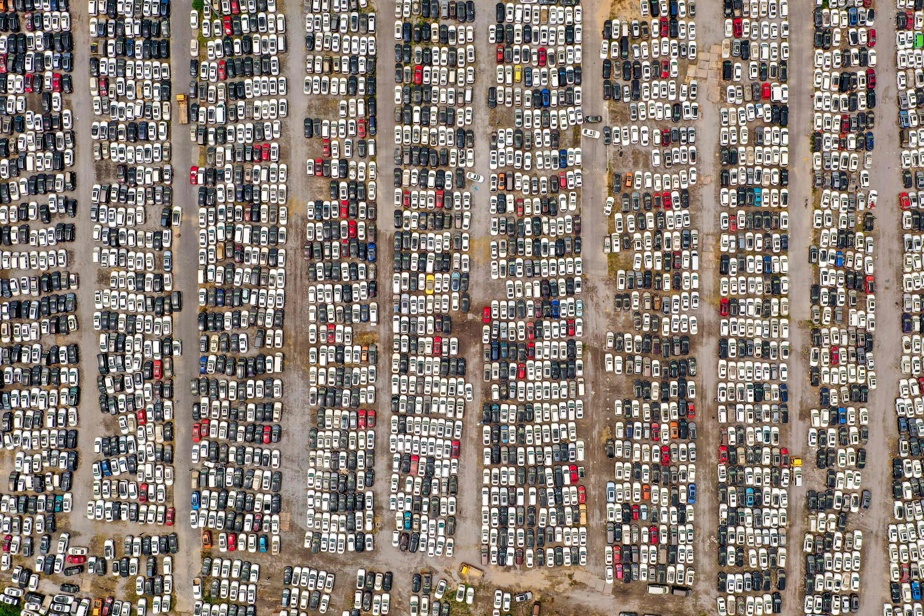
{"points": [[658, 589]]}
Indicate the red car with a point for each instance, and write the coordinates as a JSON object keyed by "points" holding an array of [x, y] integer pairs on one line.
{"points": [[765, 91], [582, 494], [574, 473], [194, 175], [654, 535], [361, 128], [418, 75], [903, 201], [76, 560], [232, 542], [142, 416], [737, 26], [723, 454], [691, 411], [196, 433], [486, 312], [543, 56], [723, 307], [871, 37], [56, 82], [870, 78], [158, 369], [370, 418], [227, 24], [500, 54], [171, 516], [455, 449], [664, 27], [870, 283], [361, 419]]}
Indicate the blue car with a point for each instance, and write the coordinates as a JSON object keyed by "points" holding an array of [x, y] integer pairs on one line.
{"points": [[372, 255], [691, 493], [916, 591], [203, 362], [196, 503]]}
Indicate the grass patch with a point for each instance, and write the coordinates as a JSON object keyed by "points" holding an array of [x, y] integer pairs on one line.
{"points": [[10, 610], [198, 5]]}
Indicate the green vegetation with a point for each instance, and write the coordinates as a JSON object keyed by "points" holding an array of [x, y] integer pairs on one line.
{"points": [[10, 610], [197, 5]]}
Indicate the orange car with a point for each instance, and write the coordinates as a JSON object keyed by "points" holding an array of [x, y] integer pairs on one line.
{"points": [[206, 539]]}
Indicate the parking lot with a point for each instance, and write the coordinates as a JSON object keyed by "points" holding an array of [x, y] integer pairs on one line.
{"points": [[598, 258]]}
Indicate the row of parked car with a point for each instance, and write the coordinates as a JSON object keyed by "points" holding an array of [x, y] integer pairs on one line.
{"points": [[237, 112], [843, 302], [434, 140], [341, 253], [134, 220], [306, 588], [905, 558], [429, 599], [654, 246], [39, 417], [533, 498], [754, 463]]}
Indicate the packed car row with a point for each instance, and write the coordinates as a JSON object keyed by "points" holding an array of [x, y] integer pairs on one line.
{"points": [[429, 599], [434, 141], [843, 301], [653, 246], [754, 464], [39, 356], [905, 561], [533, 499], [237, 113], [306, 588], [342, 291]]}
